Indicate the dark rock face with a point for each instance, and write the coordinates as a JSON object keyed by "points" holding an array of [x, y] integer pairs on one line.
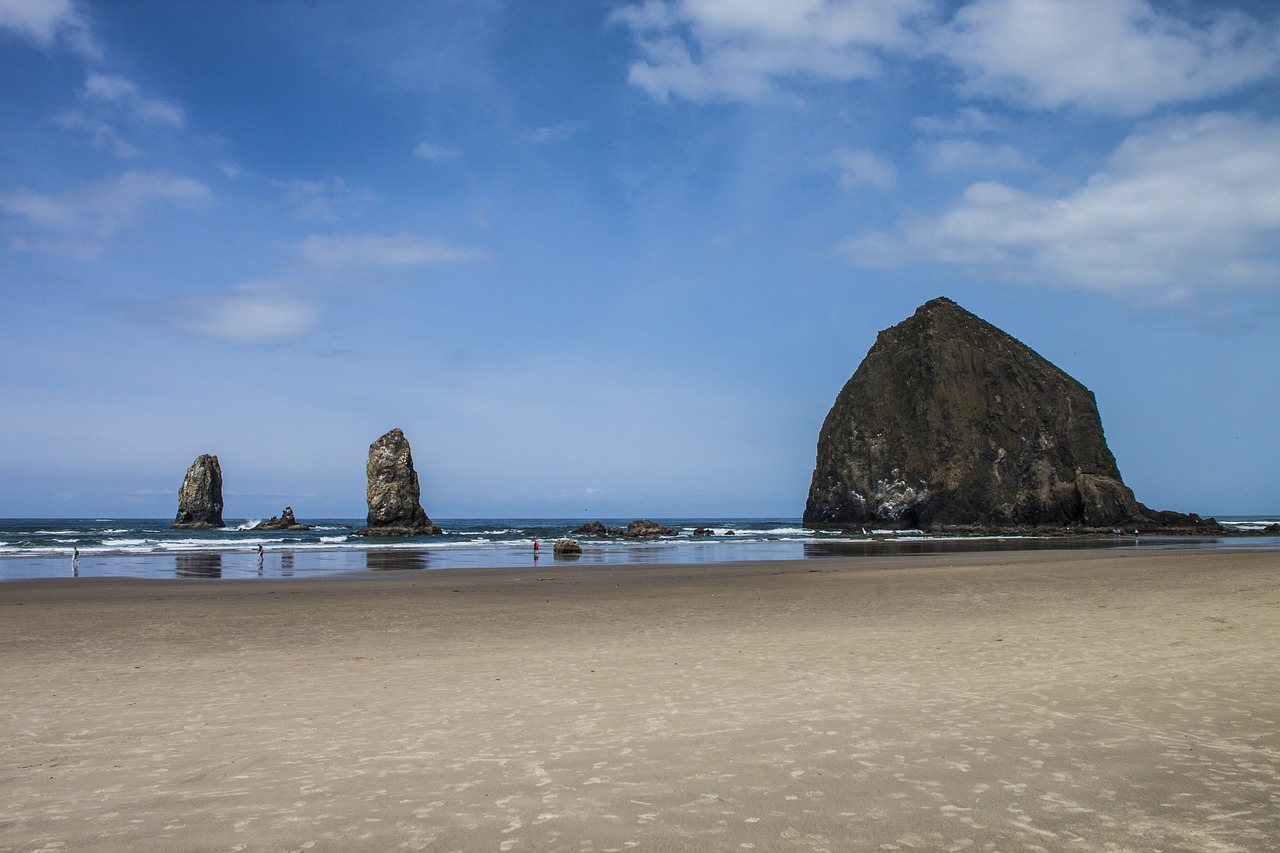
{"points": [[394, 496], [284, 521], [645, 529], [951, 423], [200, 498]]}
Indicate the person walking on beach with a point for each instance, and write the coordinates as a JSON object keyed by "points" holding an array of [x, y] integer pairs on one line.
{"points": [[259, 558]]}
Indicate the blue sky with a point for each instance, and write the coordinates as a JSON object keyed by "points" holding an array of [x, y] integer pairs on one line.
{"points": [[615, 259]]}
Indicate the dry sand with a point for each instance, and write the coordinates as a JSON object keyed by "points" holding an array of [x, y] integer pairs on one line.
{"points": [[1091, 701]]}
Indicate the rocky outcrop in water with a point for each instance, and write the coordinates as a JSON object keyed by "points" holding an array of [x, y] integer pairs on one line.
{"points": [[200, 498], [394, 496], [567, 548], [643, 528], [284, 521], [950, 423]]}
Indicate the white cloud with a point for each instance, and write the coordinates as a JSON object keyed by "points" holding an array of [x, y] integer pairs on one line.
{"points": [[381, 250], [861, 167], [1115, 56], [435, 153], [1121, 57], [967, 155], [737, 49], [45, 21], [86, 214], [254, 312], [1185, 205]]}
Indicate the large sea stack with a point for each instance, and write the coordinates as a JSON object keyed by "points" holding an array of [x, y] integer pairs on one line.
{"points": [[200, 498], [950, 423], [395, 507]]}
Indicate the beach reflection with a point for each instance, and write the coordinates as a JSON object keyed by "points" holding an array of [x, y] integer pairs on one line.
{"points": [[395, 561], [208, 566]]}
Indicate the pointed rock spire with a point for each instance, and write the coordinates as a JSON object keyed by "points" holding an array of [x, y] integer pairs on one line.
{"points": [[394, 495], [200, 498]]}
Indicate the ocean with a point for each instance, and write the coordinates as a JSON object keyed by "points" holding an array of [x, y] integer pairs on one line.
{"points": [[148, 548]]}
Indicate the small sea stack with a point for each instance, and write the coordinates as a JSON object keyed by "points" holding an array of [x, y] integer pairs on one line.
{"points": [[283, 521], [394, 496], [950, 423], [200, 498]]}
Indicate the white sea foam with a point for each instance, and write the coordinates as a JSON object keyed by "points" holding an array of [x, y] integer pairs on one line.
{"points": [[1248, 524]]}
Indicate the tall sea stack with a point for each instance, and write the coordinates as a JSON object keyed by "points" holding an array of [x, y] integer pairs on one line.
{"points": [[200, 498], [395, 507], [951, 423]]}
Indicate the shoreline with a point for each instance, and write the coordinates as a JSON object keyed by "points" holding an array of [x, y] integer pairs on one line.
{"points": [[1090, 699], [227, 555]]}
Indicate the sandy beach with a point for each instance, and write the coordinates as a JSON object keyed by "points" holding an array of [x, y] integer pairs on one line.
{"points": [[1084, 700]]}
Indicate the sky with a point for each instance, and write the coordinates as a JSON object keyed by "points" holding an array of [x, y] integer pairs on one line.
{"points": [[615, 259]]}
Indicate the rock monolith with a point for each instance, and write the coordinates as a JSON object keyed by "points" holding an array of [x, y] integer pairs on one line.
{"points": [[950, 422], [394, 496], [200, 498]]}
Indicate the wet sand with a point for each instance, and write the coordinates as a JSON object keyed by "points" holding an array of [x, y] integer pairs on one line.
{"points": [[1086, 700]]}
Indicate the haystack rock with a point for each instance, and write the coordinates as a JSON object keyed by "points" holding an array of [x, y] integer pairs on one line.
{"points": [[200, 498], [950, 423], [395, 507]]}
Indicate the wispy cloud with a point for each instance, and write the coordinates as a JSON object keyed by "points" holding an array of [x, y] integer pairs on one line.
{"points": [[559, 132], [108, 101], [434, 152], [967, 155], [861, 167], [84, 215], [328, 200], [122, 92], [252, 313], [705, 50], [46, 22], [1114, 56], [381, 250], [966, 120], [1186, 205]]}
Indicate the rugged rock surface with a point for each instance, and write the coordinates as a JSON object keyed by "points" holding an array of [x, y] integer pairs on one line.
{"points": [[643, 528], [596, 530], [950, 423], [200, 498], [567, 548], [394, 496], [284, 521]]}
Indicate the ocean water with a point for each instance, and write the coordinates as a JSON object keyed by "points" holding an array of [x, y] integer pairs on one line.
{"points": [[148, 548]]}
